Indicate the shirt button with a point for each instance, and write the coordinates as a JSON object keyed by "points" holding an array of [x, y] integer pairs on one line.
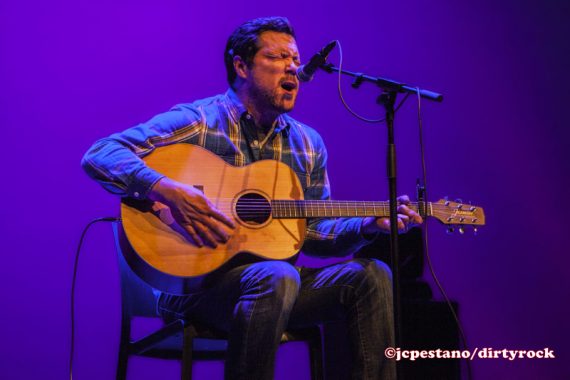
{"points": [[136, 194], [248, 116]]}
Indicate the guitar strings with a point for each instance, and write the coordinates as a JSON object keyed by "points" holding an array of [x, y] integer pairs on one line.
{"points": [[250, 208]]}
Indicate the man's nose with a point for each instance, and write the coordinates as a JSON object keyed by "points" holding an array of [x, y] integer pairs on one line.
{"points": [[291, 66]]}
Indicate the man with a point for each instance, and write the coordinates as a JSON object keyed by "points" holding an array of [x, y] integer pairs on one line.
{"points": [[255, 303]]}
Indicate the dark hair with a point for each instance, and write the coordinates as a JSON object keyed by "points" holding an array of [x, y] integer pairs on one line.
{"points": [[243, 41]]}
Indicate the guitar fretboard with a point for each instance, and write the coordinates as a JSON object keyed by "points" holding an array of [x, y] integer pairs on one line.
{"points": [[322, 209]]}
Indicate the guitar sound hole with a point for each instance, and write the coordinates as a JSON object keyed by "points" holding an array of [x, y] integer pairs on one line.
{"points": [[253, 209]]}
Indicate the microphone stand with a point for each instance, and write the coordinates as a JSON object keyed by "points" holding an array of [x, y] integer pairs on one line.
{"points": [[387, 98]]}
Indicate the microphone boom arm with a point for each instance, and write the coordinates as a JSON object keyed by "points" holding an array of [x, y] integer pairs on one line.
{"points": [[385, 84]]}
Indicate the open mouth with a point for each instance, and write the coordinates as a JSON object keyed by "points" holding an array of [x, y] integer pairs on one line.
{"points": [[289, 86]]}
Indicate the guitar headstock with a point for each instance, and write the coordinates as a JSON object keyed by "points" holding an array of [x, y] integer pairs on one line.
{"points": [[457, 214]]}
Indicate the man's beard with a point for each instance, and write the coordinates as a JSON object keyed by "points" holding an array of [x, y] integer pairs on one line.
{"points": [[271, 100]]}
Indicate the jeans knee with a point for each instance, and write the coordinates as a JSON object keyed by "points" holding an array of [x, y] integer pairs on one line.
{"points": [[285, 277], [275, 278], [375, 273]]}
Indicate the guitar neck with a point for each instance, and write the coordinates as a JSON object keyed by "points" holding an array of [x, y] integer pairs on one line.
{"points": [[286, 209]]}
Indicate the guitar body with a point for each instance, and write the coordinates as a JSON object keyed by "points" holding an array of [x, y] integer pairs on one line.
{"points": [[164, 255]]}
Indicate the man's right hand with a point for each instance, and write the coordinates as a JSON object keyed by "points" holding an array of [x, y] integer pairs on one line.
{"points": [[193, 212]]}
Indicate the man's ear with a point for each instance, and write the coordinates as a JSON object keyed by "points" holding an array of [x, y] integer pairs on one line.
{"points": [[240, 67]]}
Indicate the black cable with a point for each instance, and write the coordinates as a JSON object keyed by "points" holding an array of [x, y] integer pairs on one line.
{"points": [[72, 298], [345, 104], [425, 235]]}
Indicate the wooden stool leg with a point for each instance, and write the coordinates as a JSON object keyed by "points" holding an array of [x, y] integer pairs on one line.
{"points": [[122, 365], [187, 346], [123, 351], [316, 355]]}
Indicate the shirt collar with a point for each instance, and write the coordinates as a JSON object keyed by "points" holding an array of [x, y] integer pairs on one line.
{"points": [[237, 110]]}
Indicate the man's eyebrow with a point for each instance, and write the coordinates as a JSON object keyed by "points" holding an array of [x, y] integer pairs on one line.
{"points": [[282, 52]]}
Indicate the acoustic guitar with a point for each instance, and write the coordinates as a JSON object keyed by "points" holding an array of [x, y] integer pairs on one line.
{"points": [[264, 199]]}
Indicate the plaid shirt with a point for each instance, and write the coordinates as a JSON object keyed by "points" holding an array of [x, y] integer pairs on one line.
{"points": [[222, 125]]}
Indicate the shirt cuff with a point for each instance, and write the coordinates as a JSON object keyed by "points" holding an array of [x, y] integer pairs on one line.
{"points": [[142, 182]]}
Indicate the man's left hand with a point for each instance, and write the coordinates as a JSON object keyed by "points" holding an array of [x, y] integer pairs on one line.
{"points": [[407, 218]]}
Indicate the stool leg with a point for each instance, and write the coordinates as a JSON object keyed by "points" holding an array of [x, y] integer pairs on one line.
{"points": [[316, 355], [187, 346], [122, 365], [123, 352]]}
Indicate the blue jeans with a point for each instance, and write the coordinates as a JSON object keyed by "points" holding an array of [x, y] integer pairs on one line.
{"points": [[255, 303]]}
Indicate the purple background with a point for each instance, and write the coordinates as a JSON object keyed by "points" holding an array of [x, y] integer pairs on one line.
{"points": [[75, 71]]}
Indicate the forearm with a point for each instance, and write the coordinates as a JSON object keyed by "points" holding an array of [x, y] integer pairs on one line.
{"points": [[335, 237], [118, 169], [115, 162]]}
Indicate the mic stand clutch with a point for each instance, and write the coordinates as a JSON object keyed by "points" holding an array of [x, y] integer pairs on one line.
{"points": [[387, 98]]}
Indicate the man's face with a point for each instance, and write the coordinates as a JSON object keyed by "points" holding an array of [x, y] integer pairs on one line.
{"points": [[272, 82]]}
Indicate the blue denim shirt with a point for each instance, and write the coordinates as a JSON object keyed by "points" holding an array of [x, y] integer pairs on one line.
{"points": [[221, 124]]}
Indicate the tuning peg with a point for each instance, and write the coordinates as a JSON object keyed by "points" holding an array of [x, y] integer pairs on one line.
{"points": [[446, 198], [461, 230], [475, 231], [460, 205], [450, 230]]}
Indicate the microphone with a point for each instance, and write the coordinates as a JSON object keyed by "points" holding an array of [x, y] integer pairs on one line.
{"points": [[306, 72]]}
